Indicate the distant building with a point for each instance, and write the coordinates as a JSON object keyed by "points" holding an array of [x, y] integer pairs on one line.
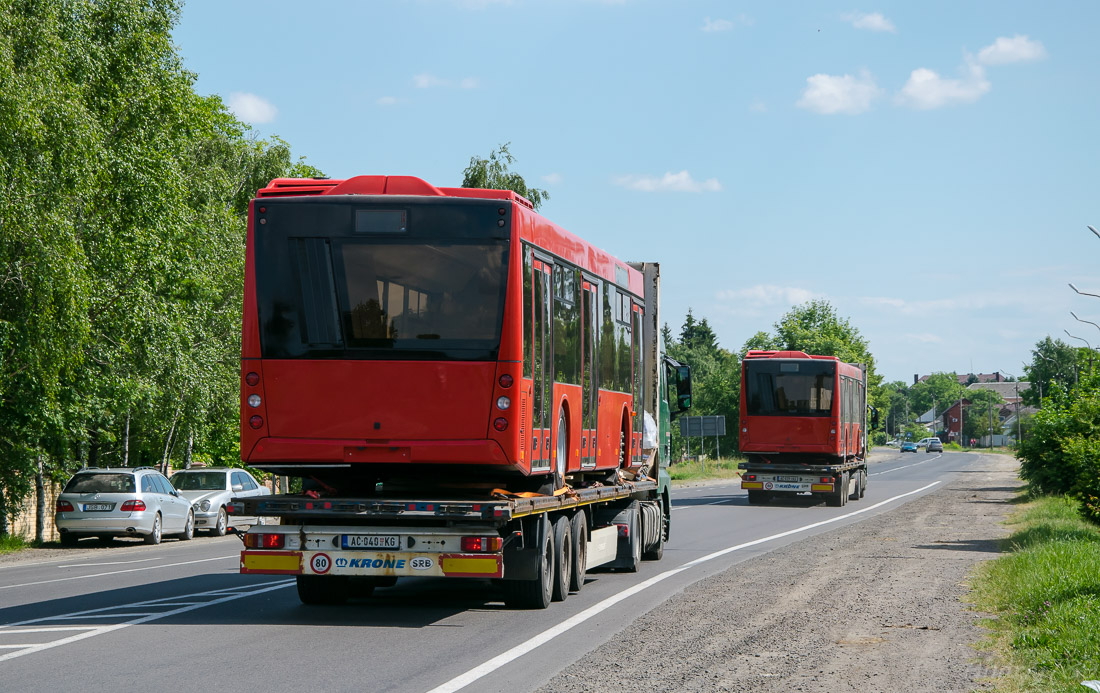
{"points": [[965, 378]]}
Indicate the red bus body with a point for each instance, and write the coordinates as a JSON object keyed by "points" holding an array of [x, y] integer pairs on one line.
{"points": [[796, 407], [397, 329]]}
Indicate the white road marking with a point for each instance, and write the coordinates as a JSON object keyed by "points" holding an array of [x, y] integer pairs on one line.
{"points": [[92, 565], [689, 507], [119, 572], [504, 658], [92, 631], [915, 464]]}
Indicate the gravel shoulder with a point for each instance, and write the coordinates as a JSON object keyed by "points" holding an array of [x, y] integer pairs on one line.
{"points": [[876, 606]]}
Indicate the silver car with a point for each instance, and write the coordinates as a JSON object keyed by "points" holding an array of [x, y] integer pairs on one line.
{"points": [[122, 501], [210, 488]]}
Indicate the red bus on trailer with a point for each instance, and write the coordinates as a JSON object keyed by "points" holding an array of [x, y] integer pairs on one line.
{"points": [[799, 409], [393, 329]]}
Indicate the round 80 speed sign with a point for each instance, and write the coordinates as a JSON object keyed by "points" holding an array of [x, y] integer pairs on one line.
{"points": [[320, 563]]}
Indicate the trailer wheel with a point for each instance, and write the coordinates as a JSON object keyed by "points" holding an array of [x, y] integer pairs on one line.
{"points": [[657, 550], [861, 487], [839, 498], [537, 592], [580, 551], [322, 589], [759, 497], [563, 557], [635, 542]]}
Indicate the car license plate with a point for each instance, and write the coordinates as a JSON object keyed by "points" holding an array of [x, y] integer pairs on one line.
{"points": [[371, 541], [98, 506], [794, 479]]}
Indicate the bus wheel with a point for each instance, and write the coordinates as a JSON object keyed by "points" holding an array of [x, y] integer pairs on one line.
{"points": [[562, 453], [563, 557], [580, 551]]}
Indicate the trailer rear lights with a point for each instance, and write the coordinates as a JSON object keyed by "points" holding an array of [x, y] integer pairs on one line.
{"points": [[749, 477], [624, 530], [253, 379], [826, 479], [503, 403], [264, 541], [253, 401], [256, 421], [64, 506], [481, 544], [132, 506], [500, 423], [505, 381]]}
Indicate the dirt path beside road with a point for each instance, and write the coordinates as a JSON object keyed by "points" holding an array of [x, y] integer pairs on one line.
{"points": [[779, 622]]}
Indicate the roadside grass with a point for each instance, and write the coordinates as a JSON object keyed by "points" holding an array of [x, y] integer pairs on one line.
{"points": [[11, 544], [1045, 594], [693, 470]]}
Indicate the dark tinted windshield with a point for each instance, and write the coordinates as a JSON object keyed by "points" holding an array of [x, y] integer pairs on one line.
{"points": [[101, 483], [391, 278], [788, 387], [199, 481]]}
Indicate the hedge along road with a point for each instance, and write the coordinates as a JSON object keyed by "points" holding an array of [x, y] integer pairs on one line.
{"points": [[420, 635]]}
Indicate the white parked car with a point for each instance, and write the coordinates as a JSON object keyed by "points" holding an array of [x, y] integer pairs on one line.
{"points": [[210, 488], [923, 442], [122, 502]]}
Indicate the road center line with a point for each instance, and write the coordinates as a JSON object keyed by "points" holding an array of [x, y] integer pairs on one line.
{"points": [[500, 660], [92, 565], [915, 464], [119, 572]]}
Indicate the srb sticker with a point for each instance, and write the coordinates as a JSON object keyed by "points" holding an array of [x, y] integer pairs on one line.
{"points": [[421, 563]]}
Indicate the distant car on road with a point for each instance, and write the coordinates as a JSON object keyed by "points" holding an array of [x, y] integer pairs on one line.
{"points": [[908, 446], [893, 443], [934, 445], [122, 502], [210, 488], [923, 442]]}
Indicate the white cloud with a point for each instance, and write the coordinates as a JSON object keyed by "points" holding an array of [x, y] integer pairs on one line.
{"points": [[426, 80], [251, 108], [871, 22], [758, 106], [386, 101], [716, 25], [925, 338], [1012, 50], [762, 295], [926, 89], [670, 182], [829, 94], [552, 178]]}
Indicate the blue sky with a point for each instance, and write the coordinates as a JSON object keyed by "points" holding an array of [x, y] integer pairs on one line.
{"points": [[928, 168]]}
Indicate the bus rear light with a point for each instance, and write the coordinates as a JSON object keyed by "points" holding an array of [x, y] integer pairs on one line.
{"points": [[256, 421], [64, 506], [481, 544], [132, 506], [264, 541], [253, 379], [505, 381], [500, 423], [253, 401], [503, 403]]}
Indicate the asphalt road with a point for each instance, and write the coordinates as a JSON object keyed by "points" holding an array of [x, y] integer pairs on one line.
{"points": [[179, 617]]}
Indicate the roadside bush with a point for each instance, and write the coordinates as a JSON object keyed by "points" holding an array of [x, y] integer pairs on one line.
{"points": [[1062, 454]]}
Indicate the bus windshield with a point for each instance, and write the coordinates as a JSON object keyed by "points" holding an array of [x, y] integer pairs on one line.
{"points": [[788, 388], [433, 290]]}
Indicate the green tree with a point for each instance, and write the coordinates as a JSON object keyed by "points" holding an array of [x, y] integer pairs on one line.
{"points": [[940, 390], [121, 242], [982, 416], [1053, 362], [494, 173], [715, 379]]}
